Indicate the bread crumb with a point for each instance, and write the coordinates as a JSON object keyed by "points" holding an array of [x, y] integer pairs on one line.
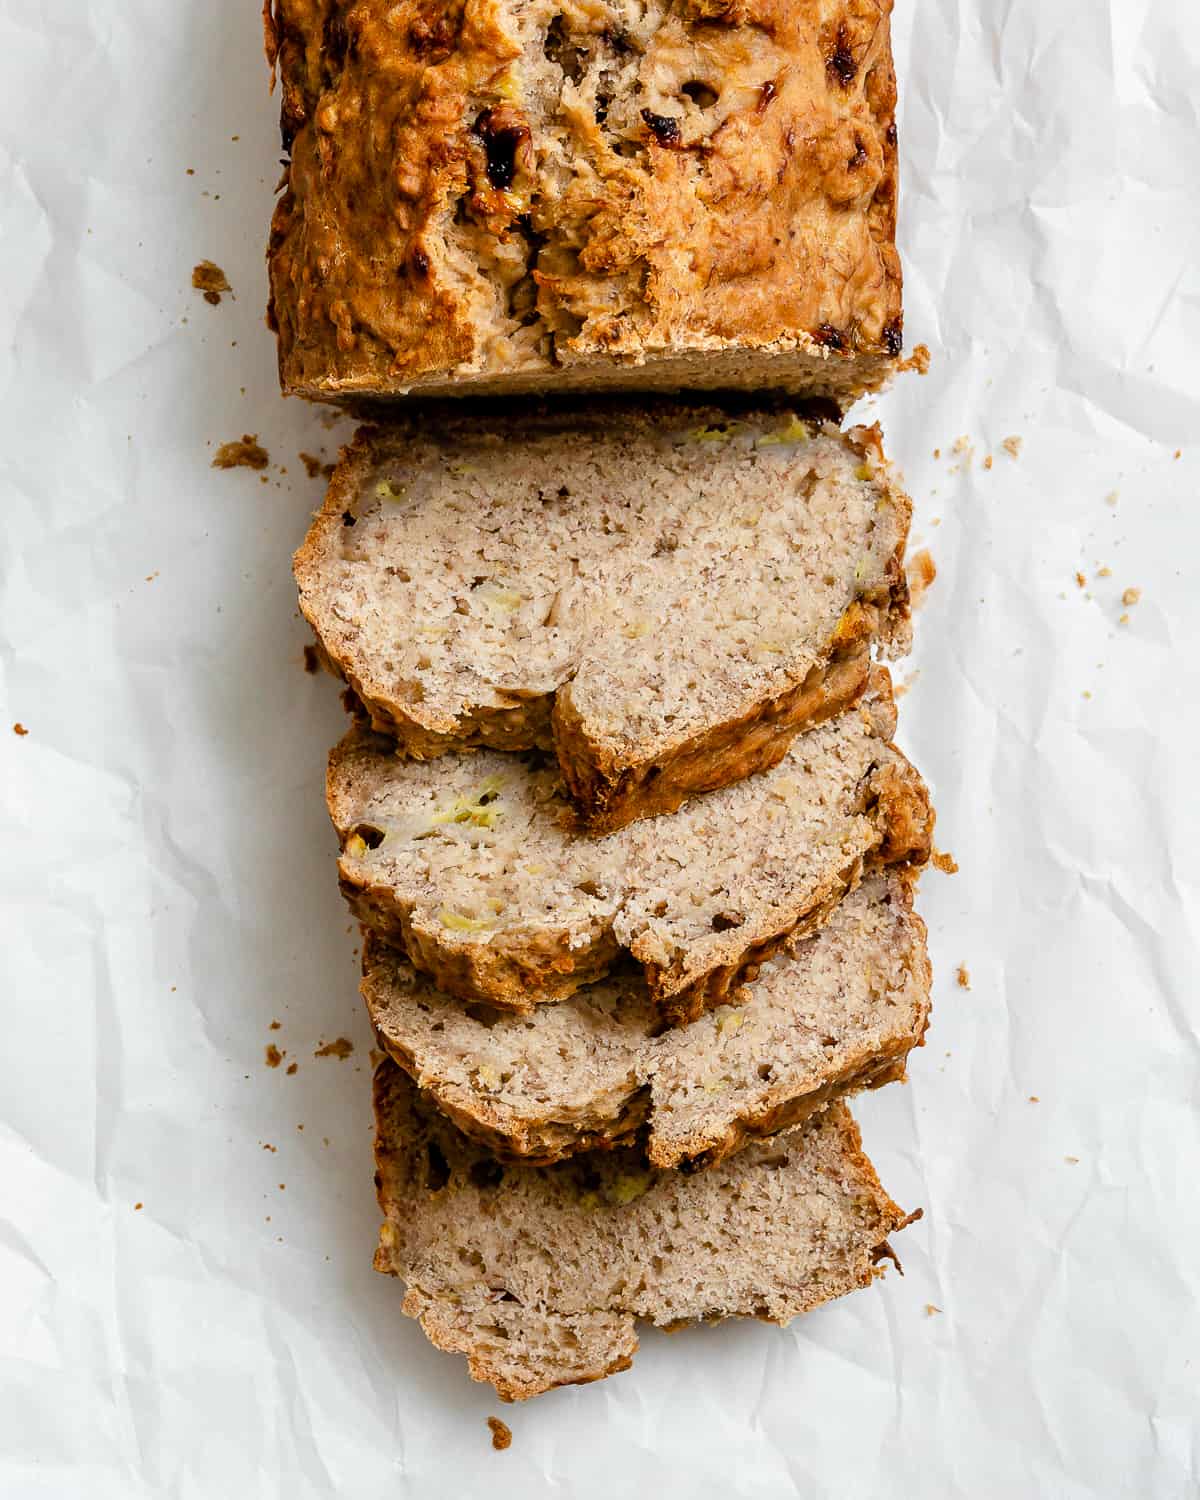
{"points": [[274, 1056], [291, 1068], [937, 453], [267, 1146], [150, 577], [1012, 446], [1034, 1099], [313, 465], [136, 1207], [1131, 596], [20, 729], [1179, 453], [244, 454], [963, 975], [1123, 620], [918, 360], [1104, 573], [283, 1187], [988, 461], [312, 662], [1071, 1161], [501, 1434], [1086, 694], [944, 862], [1080, 580], [1112, 497], [274, 1026], [209, 278], [921, 573], [341, 1049], [931, 1308]]}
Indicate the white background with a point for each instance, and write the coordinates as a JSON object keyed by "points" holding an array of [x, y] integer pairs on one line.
{"points": [[167, 883]]}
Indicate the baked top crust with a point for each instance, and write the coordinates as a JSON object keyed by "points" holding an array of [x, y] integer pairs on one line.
{"points": [[514, 193]]}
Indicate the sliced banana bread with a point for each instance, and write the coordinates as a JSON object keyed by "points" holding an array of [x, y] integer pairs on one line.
{"points": [[469, 863], [840, 1014], [665, 595], [519, 195], [538, 1274]]}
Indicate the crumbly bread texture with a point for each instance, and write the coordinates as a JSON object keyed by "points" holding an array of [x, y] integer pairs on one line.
{"points": [[538, 1274], [469, 862], [841, 1014], [499, 196], [663, 595]]}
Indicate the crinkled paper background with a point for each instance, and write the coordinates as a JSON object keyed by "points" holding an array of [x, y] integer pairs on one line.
{"points": [[168, 885]]}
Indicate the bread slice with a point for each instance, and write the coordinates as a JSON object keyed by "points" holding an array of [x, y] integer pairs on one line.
{"points": [[514, 196], [663, 595], [467, 863], [841, 1014], [538, 1274]]}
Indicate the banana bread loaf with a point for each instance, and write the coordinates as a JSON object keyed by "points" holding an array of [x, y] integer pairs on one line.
{"points": [[509, 195], [665, 595], [538, 1274]]}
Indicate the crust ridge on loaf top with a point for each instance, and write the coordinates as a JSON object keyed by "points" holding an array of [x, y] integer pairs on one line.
{"points": [[665, 594], [519, 195], [465, 861], [538, 1275], [839, 1014]]}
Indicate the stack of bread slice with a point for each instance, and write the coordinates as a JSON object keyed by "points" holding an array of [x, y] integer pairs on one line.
{"points": [[619, 810]]}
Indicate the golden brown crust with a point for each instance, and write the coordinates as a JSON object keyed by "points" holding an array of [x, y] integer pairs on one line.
{"points": [[465, 207]]}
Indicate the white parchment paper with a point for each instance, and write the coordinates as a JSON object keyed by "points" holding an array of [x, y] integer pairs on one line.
{"points": [[187, 1306]]}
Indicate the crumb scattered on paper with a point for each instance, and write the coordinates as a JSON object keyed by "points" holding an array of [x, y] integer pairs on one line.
{"points": [[275, 1025], [988, 461], [209, 278], [136, 1207], [316, 467], [1071, 1161], [20, 729], [291, 1068], [918, 360], [1012, 446], [963, 975], [944, 862], [501, 1434], [1034, 1099], [1080, 580], [243, 454], [1104, 573], [312, 662], [1131, 596], [267, 1146], [921, 573], [273, 1055], [964, 448], [931, 1308], [1112, 497], [341, 1049]]}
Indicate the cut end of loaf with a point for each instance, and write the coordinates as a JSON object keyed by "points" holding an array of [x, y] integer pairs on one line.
{"points": [[607, 1240]]}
